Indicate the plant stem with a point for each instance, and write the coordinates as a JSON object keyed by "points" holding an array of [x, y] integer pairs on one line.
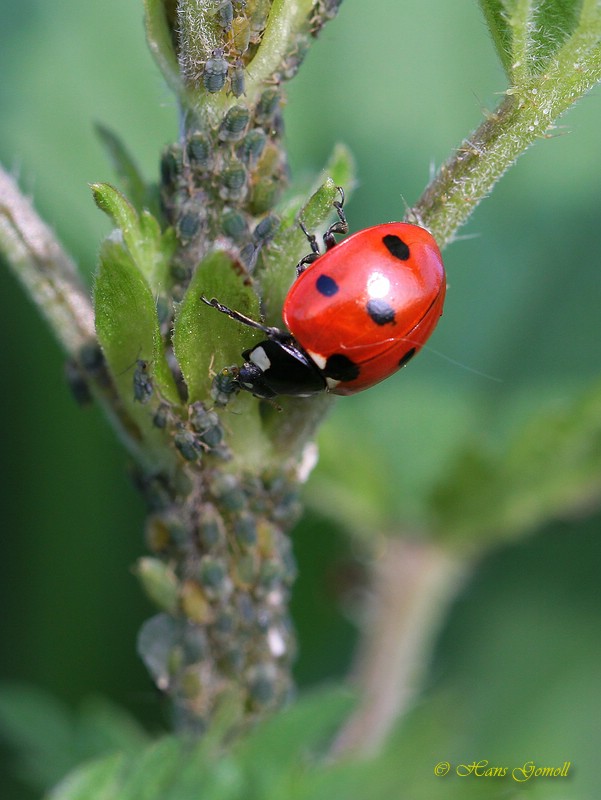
{"points": [[412, 584], [525, 114], [48, 274]]}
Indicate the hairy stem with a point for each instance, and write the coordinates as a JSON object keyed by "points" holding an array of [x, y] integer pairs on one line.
{"points": [[527, 113], [48, 274]]}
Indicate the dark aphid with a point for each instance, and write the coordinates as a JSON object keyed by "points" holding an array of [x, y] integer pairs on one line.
{"points": [[215, 71], [233, 125]]}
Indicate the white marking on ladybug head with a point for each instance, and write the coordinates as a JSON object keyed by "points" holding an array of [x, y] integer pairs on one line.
{"points": [[258, 356], [320, 361]]}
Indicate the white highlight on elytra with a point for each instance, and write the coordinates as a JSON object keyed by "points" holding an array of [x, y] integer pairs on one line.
{"points": [[259, 357], [378, 286]]}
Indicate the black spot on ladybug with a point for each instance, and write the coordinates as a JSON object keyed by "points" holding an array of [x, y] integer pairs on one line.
{"points": [[326, 285], [396, 247], [407, 357], [380, 311], [341, 368]]}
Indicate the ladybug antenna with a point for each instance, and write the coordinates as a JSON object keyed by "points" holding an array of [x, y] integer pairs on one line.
{"points": [[137, 361], [271, 332], [487, 376]]}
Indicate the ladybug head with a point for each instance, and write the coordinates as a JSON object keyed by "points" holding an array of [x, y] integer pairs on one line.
{"points": [[278, 365]]}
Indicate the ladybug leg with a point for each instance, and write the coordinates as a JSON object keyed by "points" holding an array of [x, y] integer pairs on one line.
{"points": [[272, 333], [305, 261], [313, 255], [328, 238], [338, 227]]}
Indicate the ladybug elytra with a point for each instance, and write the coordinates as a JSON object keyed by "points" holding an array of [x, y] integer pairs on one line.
{"points": [[354, 315]]}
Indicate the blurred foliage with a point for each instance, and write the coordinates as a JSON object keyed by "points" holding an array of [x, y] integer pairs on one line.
{"points": [[51, 740], [516, 674], [114, 760]]}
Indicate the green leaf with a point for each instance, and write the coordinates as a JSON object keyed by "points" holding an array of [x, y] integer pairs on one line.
{"points": [[39, 729], [148, 775], [280, 755], [103, 727], [134, 185], [216, 778], [122, 213], [550, 467], [154, 771], [302, 729], [498, 20], [99, 780], [341, 168], [150, 250], [127, 325], [160, 37], [49, 739], [289, 245], [205, 340]]}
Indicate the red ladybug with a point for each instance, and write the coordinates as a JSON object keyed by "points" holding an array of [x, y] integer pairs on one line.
{"points": [[355, 314]]}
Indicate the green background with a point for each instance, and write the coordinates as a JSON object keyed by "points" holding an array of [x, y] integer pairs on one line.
{"points": [[515, 675]]}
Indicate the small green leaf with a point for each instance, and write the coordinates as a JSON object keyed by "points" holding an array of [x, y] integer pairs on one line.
{"points": [[154, 772], [209, 774], [49, 739], [204, 339], [102, 727], [99, 780], [150, 250], [497, 18], [289, 245], [39, 729], [134, 185], [120, 210], [159, 34], [341, 168], [297, 731], [127, 324]]}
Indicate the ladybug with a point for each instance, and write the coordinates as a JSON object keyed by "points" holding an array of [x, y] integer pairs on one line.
{"points": [[354, 315]]}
